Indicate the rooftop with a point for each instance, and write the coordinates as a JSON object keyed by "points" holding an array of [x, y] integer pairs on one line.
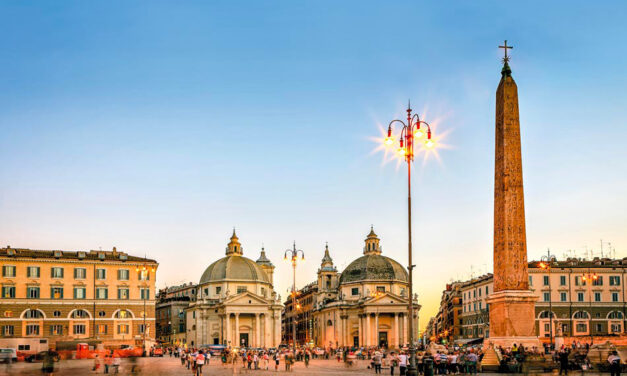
{"points": [[113, 255]]}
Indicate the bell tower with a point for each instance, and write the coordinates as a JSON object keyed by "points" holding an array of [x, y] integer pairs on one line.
{"points": [[327, 274]]}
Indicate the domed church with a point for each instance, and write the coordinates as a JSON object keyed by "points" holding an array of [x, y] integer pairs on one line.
{"points": [[236, 304], [366, 304]]}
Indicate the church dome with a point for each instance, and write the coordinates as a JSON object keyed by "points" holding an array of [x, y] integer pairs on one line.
{"points": [[373, 267], [234, 267]]}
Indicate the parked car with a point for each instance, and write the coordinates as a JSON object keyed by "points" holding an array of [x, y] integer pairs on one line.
{"points": [[8, 355], [39, 357], [157, 351]]}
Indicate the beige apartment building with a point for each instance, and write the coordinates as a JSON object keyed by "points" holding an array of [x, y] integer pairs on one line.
{"points": [[93, 296], [586, 299]]}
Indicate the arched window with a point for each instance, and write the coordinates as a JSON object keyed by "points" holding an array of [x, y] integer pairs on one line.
{"points": [[329, 323], [581, 315], [80, 314], [33, 314], [123, 314], [545, 314], [615, 315]]}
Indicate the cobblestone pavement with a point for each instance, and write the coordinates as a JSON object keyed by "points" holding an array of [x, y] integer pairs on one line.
{"points": [[172, 366]]}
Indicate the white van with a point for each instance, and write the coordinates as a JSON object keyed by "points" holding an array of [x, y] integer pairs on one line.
{"points": [[8, 355]]}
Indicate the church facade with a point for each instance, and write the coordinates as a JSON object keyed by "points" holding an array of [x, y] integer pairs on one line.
{"points": [[364, 305], [236, 304]]}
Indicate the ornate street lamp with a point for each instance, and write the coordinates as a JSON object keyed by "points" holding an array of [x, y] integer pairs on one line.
{"points": [[293, 256], [546, 263], [412, 134], [145, 269], [590, 279]]}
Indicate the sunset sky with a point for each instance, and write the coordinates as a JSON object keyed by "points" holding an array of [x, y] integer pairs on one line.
{"points": [[157, 127]]}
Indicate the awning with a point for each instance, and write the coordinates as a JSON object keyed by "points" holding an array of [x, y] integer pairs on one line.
{"points": [[469, 341]]}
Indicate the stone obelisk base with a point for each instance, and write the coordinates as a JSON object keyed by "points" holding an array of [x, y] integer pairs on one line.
{"points": [[512, 319]]}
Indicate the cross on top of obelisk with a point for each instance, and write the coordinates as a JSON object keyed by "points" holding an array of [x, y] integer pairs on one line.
{"points": [[506, 47]]}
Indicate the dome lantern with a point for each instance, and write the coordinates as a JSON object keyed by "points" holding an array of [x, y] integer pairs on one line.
{"points": [[372, 243], [234, 247]]}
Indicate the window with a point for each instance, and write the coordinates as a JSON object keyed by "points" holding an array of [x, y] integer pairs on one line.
{"points": [[615, 315], [615, 280], [141, 328], [56, 293], [599, 327], [56, 272], [8, 291], [581, 327], [79, 329], [598, 281], [581, 315], [123, 293], [545, 315], [545, 280], [530, 281], [101, 273], [101, 329], [101, 314], [143, 275], [241, 289], [79, 293], [123, 274], [56, 313], [80, 314], [144, 293], [487, 290], [474, 293], [32, 292], [32, 272], [380, 288], [579, 281], [8, 271], [102, 293], [123, 314], [614, 296], [33, 314], [580, 297], [123, 329], [32, 330], [563, 297], [206, 292], [355, 291], [23, 347], [479, 292], [7, 330], [80, 273], [563, 280], [218, 290], [56, 330], [615, 327], [263, 291], [547, 296], [597, 296], [547, 328], [479, 304]]}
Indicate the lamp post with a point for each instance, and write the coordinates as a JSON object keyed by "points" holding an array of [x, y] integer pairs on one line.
{"points": [[144, 271], [590, 278], [293, 256], [411, 134], [546, 263]]}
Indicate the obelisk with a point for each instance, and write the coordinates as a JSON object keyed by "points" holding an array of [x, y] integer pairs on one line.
{"points": [[512, 304]]}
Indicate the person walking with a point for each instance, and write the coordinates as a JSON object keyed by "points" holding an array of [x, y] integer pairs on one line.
{"points": [[47, 366], [376, 360], [200, 361], [563, 360], [614, 361], [393, 362], [402, 363], [277, 357]]}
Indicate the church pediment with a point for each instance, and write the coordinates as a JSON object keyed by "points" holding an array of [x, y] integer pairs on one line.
{"points": [[384, 299], [246, 298]]}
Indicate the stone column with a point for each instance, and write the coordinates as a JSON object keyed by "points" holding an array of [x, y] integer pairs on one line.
{"points": [[266, 332], [238, 344], [227, 333], [397, 340], [376, 329], [368, 330], [405, 329], [361, 330], [257, 331]]}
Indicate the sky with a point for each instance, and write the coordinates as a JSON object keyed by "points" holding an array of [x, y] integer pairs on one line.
{"points": [[156, 127]]}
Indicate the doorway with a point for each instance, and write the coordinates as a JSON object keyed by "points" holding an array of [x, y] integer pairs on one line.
{"points": [[383, 339], [243, 339], [356, 341]]}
